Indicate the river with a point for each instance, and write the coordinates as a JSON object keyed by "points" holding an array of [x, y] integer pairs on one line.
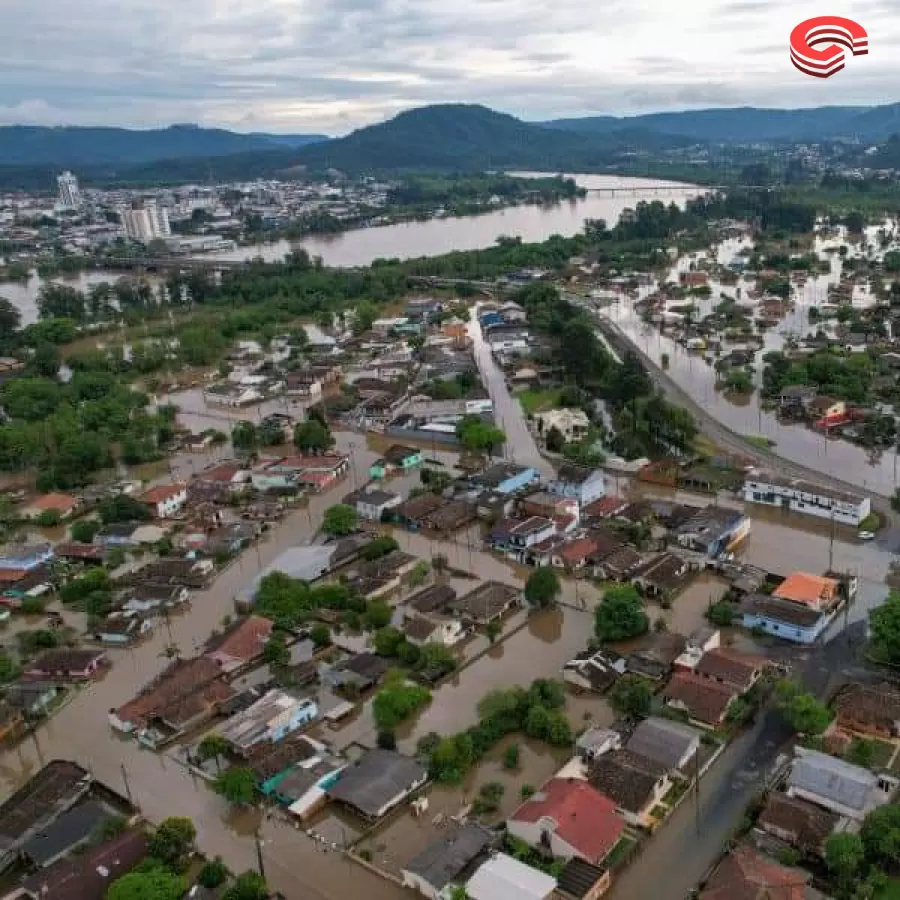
{"points": [[431, 238]]}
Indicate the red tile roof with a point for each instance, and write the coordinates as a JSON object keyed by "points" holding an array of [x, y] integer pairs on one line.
{"points": [[243, 642], [578, 550], [585, 819], [747, 875], [161, 493], [731, 667], [705, 700], [62, 503], [811, 590]]}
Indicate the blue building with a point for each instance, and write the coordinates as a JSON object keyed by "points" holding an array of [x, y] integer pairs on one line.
{"points": [[269, 720], [580, 483], [490, 319], [713, 530], [507, 478], [793, 622], [24, 557]]}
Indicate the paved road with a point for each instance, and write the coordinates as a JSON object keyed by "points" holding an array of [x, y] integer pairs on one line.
{"points": [[520, 444], [687, 846]]}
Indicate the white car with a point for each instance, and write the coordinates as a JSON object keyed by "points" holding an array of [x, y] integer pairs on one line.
{"points": [[866, 535]]}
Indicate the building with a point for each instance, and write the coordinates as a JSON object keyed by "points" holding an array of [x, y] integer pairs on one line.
{"points": [[68, 191], [485, 603], [731, 668], [814, 592], [713, 530], [506, 478], [371, 503], [798, 823], [782, 618], [240, 644], [145, 221], [634, 783], [445, 630], [89, 875], [581, 483], [442, 862], [515, 537], [572, 424], [397, 460], [836, 785], [671, 744], [594, 670], [505, 878], [870, 710], [65, 664], [67, 834], [804, 497], [165, 500], [270, 719], [580, 880], [377, 782], [24, 557], [568, 818], [745, 873], [705, 702], [63, 505]]}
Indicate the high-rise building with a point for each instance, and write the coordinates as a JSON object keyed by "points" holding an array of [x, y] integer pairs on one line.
{"points": [[145, 221], [69, 194]]}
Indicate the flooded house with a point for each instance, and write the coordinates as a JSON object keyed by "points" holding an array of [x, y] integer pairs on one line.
{"points": [[267, 721], [634, 783], [444, 861], [801, 496], [377, 782]]}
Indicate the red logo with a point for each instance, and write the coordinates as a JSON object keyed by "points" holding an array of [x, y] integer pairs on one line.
{"points": [[833, 30]]}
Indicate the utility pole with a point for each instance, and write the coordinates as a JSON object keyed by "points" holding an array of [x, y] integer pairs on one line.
{"points": [[127, 785], [259, 854]]}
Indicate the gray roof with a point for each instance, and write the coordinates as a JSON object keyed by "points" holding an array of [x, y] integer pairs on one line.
{"points": [[72, 828], [662, 740], [443, 860], [376, 779], [833, 779]]}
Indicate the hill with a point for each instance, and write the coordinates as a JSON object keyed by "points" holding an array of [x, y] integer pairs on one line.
{"points": [[751, 124], [461, 136], [71, 147]]}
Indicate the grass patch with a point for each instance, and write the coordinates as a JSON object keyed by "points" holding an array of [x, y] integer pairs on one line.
{"points": [[539, 401], [659, 812], [871, 522], [891, 891], [758, 440], [620, 851]]}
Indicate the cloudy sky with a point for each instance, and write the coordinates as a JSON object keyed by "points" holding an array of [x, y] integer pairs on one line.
{"points": [[334, 65]]}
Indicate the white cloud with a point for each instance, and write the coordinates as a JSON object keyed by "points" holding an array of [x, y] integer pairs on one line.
{"points": [[293, 65]]}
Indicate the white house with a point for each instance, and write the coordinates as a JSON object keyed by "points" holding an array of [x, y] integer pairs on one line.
{"points": [[165, 500], [231, 396], [371, 503], [420, 631], [807, 498], [579, 482], [573, 424], [505, 878]]}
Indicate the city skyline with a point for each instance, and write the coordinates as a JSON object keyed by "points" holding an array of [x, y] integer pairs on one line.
{"points": [[294, 67]]}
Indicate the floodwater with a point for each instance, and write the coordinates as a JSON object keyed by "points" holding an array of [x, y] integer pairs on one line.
{"points": [[743, 414], [412, 239]]}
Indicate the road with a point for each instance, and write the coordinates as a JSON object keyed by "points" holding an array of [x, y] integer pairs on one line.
{"points": [[689, 844], [520, 445]]}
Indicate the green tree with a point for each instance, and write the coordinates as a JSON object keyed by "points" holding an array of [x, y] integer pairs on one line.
{"points": [[388, 641], [245, 438], [320, 635], [340, 520], [542, 587], [237, 785], [213, 746], [248, 885], [123, 508], [9, 670], [804, 713], [844, 854], [213, 874], [276, 652], [880, 835], [631, 696], [312, 437], [148, 883], [884, 630], [478, 436], [620, 615], [397, 700], [173, 840], [511, 757], [49, 518], [85, 530], [493, 630]]}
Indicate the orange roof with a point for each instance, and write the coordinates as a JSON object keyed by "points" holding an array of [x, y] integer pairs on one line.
{"points": [[11, 575], [60, 502], [162, 492], [801, 587]]}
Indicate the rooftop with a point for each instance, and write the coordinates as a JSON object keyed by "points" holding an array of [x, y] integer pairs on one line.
{"points": [[705, 700], [73, 827], [626, 778], [730, 666], [808, 824], [662, 740], [376, 779], [578, 813], [432, 599], [834, 780], [241, 642], [252, 725], [162, 492], [810, 590], [578, 877], [747, 875], [486, 602], [443, 860], [804, 487], [505, 878]]}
